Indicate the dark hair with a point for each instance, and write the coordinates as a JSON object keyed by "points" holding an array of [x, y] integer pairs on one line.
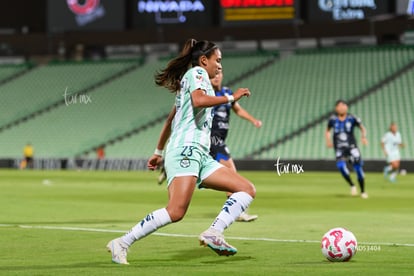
{"points": [[341, 101], [171, 76]]}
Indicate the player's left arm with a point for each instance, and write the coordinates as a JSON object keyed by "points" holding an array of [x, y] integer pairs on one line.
{"points": [[200, 99], [401, 145], [358, 122], [364, 139], [242, 113]]}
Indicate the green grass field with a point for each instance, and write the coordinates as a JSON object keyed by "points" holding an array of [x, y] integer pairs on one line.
{"points": [[58, 223]]}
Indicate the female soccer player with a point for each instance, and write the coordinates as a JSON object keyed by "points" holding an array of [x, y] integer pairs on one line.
{"points": [[391, 143], [218, 149], [345, 145], [187, 160]]}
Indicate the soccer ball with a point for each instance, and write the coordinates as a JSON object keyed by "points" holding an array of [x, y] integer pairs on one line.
{"points": [[339, 245]]}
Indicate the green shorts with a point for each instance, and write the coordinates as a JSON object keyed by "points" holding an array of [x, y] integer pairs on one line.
{"points": [[189, 160]]}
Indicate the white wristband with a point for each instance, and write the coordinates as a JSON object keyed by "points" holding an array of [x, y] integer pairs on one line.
{"points": [[230, 98], [158, 152]]}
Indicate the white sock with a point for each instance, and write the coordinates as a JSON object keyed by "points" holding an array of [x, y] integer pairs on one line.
{"points": [[388, 168], [149, 224], [233, 207]]}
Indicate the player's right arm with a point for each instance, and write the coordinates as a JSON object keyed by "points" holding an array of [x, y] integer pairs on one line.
{"points": [[383, 141], [329, 143], [156, 159], [328, 140], [383, 149], [242, 113]]}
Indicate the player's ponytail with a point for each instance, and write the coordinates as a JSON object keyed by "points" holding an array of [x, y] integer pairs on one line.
{"points": [[170, 76]]}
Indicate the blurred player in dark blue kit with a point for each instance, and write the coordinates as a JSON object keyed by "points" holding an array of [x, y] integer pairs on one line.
{"points": [[345, 145], [220, 127]]}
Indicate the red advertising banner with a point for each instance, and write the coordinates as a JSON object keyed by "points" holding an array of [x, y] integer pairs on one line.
{"points": [[234, 11]]}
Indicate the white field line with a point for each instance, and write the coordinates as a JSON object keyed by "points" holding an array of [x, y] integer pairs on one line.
{"points": [[64, 228]]}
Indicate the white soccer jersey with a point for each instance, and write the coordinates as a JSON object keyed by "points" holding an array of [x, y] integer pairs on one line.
{"points": [[191, 126], [392, 142]]}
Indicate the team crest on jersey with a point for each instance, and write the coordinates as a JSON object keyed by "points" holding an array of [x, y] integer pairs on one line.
{"points": [[185, 162], [348, 126], [342, 136]]}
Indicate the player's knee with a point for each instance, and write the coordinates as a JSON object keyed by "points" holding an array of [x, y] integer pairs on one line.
{"points": [[250, 189], [252, 192], [176, 213], [246, 187]]}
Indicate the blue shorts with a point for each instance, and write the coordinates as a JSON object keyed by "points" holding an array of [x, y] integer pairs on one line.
{"points": [[220, 152], [189, 161]]}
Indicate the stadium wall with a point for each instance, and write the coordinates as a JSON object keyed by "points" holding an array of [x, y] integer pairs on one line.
{"points": [[278, 166], [386, 31], [300, 166]]}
